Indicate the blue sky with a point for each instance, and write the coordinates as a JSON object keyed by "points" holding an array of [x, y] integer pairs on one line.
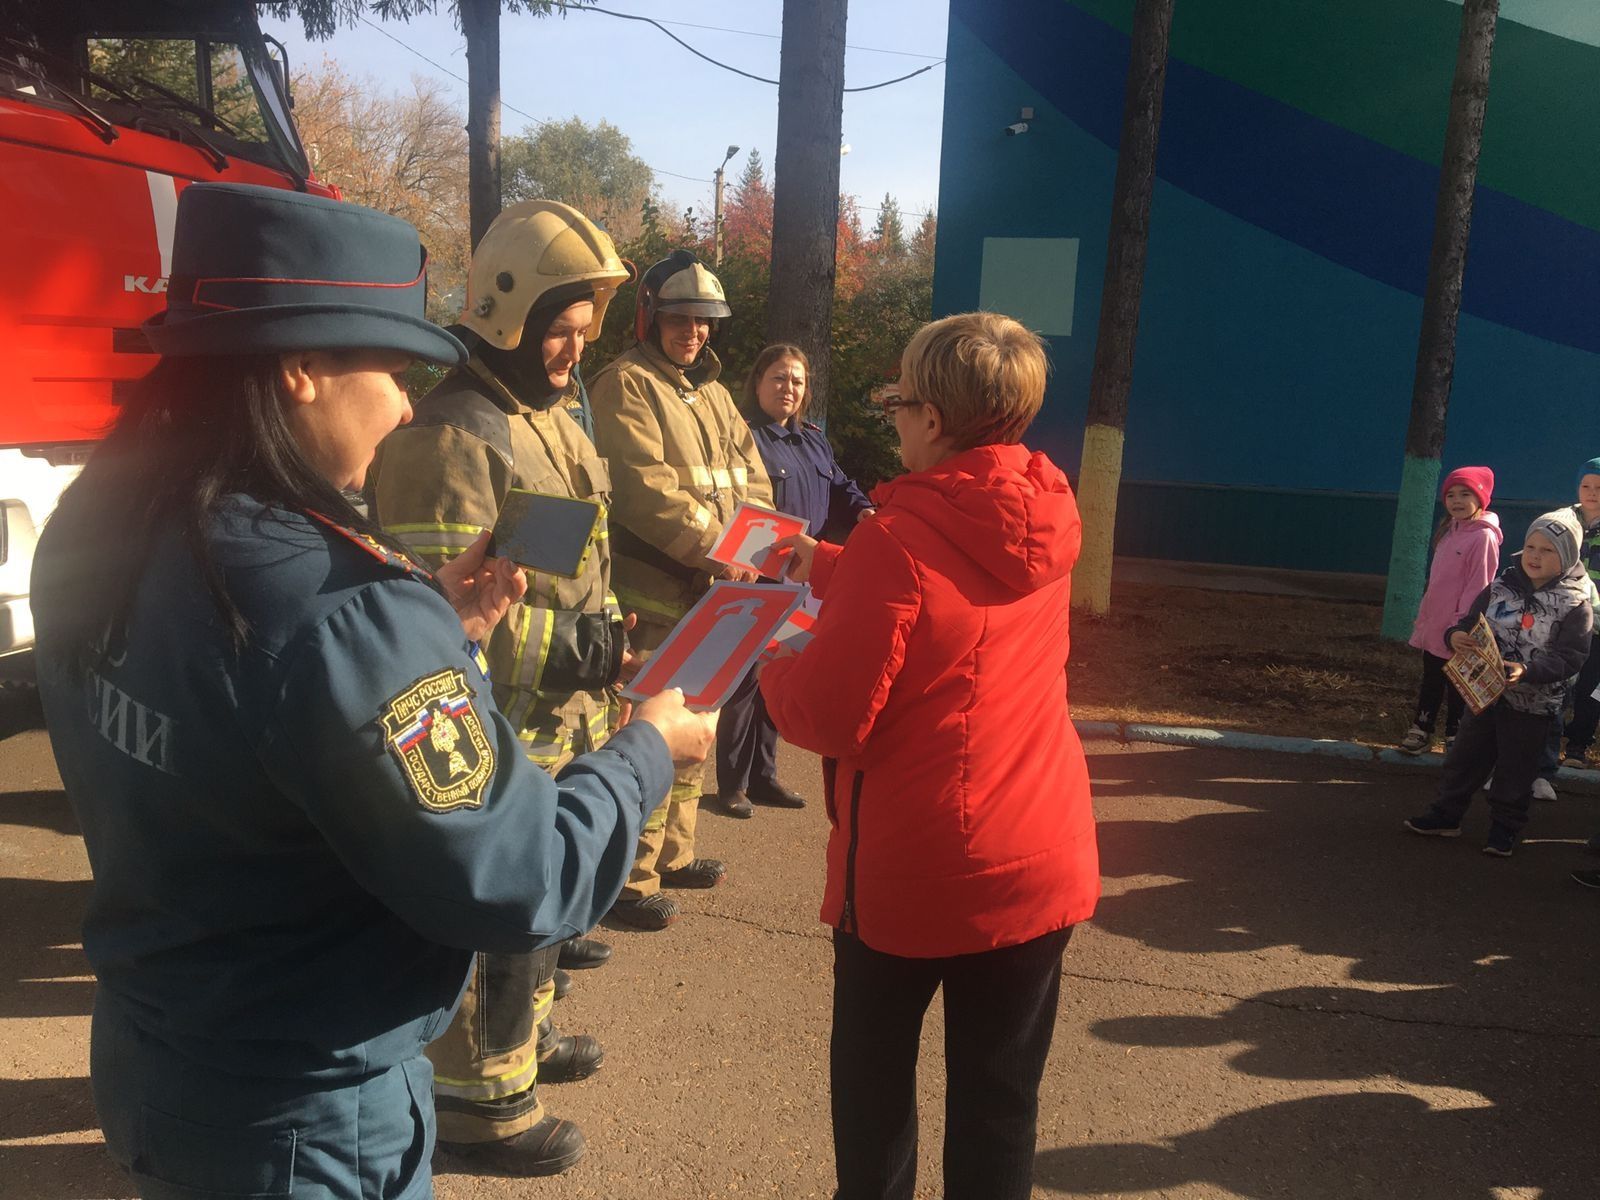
{"points": [[682, 113]]}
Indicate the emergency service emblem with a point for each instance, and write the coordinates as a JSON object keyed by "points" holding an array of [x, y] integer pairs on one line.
{"points": [[440, 742]]}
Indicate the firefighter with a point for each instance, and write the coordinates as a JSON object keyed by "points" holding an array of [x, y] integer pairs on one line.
{"points": [[681, 461], [537, 290]]}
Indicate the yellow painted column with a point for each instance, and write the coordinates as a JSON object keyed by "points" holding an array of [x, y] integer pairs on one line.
{"points": [[1098, 481]]}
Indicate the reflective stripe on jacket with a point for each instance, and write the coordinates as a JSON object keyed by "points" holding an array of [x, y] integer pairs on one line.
{"points": [[681, 460], [441, 480]]}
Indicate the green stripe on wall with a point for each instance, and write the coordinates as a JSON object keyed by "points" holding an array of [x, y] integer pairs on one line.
{"points": [[1382, 69]]}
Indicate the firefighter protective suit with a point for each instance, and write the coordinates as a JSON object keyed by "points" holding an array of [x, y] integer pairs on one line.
{"points": [[681, 459], [440, 481]]}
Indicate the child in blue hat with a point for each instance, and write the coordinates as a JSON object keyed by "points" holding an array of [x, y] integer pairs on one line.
{"points": [[1580, 730]]}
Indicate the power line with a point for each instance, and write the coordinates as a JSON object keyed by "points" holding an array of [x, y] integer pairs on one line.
{"points": [[778, 38], [539, 121], [736, 70]]}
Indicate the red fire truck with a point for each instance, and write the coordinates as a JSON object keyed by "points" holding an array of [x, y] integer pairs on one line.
{"points": [[108, 109]]}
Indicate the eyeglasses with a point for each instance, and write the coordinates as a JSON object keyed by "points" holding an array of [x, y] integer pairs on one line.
{"points": [[890, 400]]}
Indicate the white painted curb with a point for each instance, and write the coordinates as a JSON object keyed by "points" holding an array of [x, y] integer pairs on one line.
{"points": [[1183, 735]]}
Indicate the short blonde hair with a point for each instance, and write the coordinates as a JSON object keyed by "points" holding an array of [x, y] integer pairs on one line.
{"points": [[984, 372]]}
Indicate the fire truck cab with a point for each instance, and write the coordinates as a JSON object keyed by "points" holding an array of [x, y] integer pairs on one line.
{"points": [[108, 110]]}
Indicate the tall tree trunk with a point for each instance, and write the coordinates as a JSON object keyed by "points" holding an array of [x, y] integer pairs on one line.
{"points": [[1112, 377], [805, 209], [1441, 305], [480, 23]]}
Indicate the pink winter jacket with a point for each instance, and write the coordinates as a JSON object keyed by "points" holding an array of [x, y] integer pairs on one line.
{"points": [[1464, 563]]}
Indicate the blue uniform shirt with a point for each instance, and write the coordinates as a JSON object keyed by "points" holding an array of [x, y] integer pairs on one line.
{"points": [[806, 479], [295, 849]]}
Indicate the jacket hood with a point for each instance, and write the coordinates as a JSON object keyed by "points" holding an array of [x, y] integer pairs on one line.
{"points": [[1006, 507], [1573, 580], [1484, 520]]}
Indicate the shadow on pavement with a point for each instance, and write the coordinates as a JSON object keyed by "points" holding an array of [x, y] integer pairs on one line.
{"points": [[75, 1170], [39, 810], [1468, 974], [62, 1171], [19, 709], [44, 972]]}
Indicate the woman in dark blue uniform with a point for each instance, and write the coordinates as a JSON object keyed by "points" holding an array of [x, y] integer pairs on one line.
{"points": [[302, 809], [807, 482]]}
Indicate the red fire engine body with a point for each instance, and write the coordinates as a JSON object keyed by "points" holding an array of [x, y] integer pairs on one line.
{"points": [[91, 165]]}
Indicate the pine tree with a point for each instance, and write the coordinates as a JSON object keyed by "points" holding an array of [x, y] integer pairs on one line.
{"points": [[889, 234], [747, 219]]}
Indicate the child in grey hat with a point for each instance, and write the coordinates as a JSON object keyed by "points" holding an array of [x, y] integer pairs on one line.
{"points": [[1540, 613]]}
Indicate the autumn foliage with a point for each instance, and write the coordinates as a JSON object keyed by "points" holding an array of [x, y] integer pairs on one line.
{"points": [[406, 153]]}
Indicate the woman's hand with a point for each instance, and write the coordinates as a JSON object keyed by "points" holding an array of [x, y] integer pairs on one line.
{"points": [[479, 588], [1461, 643], [1514, 672], [740, 574], [689, 735], [804, 549]]}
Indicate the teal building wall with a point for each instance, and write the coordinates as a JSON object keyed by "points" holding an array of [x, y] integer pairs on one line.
{"points": [[1289, 240]]}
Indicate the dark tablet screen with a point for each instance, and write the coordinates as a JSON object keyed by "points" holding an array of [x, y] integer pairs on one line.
{"points": [[545, 533]]}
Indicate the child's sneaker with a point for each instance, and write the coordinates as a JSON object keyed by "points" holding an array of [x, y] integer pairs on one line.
{"points": [[1589, 879], [1543, 789], [1430, 825], [1501, 842], [1415, 741]]}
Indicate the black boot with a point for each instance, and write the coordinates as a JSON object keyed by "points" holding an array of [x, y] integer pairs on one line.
{"points": [[549, 1148], [581, 953]]}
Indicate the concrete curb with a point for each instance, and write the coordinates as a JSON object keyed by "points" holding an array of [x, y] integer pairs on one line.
{"points": [[1183, 735]]}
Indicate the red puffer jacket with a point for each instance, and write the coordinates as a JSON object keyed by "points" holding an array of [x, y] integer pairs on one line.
{"points": [[937, 678]]}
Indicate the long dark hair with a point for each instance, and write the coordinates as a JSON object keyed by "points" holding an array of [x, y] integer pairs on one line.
{"points": [[195, 431]]}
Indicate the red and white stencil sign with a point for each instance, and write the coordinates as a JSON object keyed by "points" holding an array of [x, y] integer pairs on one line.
{"points": [[747, 539], [708, 652], [797, 630]]}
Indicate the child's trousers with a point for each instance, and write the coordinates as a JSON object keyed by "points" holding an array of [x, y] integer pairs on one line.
{"points": [[1501, 739], [1435, 693]]}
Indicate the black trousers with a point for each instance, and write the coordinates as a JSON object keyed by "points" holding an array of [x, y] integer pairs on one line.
{"points": [[747, 741], [1499, 739], [1585, 708], [1434, 691], [1000, 1013]]}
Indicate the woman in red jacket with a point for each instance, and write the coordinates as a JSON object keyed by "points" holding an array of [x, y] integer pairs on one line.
{"points": [[963, 846]]}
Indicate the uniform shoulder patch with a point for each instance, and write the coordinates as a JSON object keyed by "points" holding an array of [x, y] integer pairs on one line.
{"points": [[434, 731], [371, 546]]}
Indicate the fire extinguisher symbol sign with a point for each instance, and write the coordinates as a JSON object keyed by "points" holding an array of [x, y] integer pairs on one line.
{"points": [[717, 642], [748, 537]]}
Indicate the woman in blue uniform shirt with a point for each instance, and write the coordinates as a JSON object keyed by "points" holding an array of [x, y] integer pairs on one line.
{"points": [[302, 810], [807, 482]]}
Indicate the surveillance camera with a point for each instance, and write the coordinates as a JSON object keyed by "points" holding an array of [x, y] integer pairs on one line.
{"points": [[1018, 127]]}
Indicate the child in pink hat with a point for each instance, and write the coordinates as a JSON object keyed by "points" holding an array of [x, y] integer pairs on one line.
{"points": [[1466, 555]]}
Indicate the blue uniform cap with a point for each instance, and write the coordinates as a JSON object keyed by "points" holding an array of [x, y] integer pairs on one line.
{"points": [[259, 270]]}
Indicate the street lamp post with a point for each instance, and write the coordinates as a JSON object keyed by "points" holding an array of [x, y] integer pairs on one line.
{"points": [[716, 212]]}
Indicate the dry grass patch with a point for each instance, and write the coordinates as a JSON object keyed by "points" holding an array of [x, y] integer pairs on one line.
{"points": [[1267, 664]]}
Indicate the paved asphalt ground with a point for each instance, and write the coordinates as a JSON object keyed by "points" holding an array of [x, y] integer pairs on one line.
{"points": [[1282, 995]]}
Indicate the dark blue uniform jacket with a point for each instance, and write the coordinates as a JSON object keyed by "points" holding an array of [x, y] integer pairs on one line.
{"points": [[806, 480], [296, 850]]}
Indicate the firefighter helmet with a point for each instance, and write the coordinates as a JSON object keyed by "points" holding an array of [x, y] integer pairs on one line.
{"points": [[538, 252], [678, 283]]}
